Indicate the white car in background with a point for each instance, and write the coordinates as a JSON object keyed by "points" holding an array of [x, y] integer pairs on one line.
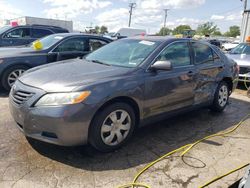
{"points": [[230, 45], [126, 32]]}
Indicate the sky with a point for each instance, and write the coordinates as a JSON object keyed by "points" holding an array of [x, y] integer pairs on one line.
{"points": [[148, 14]]}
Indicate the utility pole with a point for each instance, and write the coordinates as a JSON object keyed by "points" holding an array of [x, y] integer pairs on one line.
{"points": [[131, 6], [165, 19], [245, 4]]}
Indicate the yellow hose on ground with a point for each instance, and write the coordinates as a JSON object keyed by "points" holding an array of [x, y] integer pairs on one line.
{"points": [[187, 148]]}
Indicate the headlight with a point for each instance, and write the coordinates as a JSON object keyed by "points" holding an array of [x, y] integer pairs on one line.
{"points": [[54, 99]]}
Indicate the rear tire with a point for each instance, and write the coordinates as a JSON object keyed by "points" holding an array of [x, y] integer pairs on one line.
{"points": [[11, 74], [221, 97], [112, 127]]}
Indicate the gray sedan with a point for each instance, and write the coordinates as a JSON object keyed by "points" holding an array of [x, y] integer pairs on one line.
{"points": [[126, 84], [241, 54]]}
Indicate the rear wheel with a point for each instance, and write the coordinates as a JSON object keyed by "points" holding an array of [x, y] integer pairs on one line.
{"points": [[11, 75], [221, 97], [112, 127]]}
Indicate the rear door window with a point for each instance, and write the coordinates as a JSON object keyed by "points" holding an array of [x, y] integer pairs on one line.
{"points": [[94, 44], [202, 53], [39, 33], [177, 53], [18, 33], [72, 45]]}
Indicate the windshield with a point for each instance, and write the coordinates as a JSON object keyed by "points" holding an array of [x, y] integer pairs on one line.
{"points": [[50, 40], [125, 53], [243, 48], [4, 28]]}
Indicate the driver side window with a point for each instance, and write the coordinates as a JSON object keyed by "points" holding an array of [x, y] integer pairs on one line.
{"points": [[18, 33], [177, 53], [72, 45]]}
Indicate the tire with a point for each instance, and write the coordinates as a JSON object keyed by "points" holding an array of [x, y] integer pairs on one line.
{"points": [[100, 135], [221, 97], [6, 83]]}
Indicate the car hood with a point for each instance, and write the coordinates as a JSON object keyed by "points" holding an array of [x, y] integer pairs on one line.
{"points": [[70, 74], [15, 51], [240, 59]]}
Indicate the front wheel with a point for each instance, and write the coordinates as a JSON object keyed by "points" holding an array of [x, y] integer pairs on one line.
{"points": [[11, 75], [112, 127], [221, 97]]}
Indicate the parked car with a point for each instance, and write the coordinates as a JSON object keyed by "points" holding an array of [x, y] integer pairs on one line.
{"points": [[126, 32], [23, 35], [230, 45], [126, 84], [241, 54], [245, 181], [214, 42], [56, 47]]}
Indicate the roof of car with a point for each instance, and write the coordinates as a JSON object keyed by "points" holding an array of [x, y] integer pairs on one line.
{"points": [[160, 38], [78, 34]]}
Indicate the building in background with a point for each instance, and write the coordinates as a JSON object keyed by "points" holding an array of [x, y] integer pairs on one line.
{"points": [[26, 20]]}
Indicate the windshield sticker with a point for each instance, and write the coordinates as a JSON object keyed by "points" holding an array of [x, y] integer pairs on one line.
{"points": [[132, 63], [149, 43], [58, 37]]}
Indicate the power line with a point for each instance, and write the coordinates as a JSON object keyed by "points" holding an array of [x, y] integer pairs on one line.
{"points": [[132, 6]]}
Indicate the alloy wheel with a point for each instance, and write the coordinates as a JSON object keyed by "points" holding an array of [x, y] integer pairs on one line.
{"points": [[14, 75], [223, 96]]}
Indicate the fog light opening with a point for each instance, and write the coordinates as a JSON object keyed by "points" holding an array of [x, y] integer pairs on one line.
{"points": [[49, 135]]}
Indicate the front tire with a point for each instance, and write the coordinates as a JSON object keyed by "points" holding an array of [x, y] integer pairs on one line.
{"points": [[112, 127], [11, 75], [221, 97]]}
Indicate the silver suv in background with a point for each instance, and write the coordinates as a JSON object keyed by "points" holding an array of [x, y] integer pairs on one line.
{"points": [[241, 55]]}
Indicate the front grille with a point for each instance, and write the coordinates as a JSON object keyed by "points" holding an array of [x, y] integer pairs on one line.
{"points": [[19, 97], [244, 70]]}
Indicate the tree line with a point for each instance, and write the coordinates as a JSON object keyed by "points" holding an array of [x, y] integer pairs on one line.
{"points": [[207, 29]]}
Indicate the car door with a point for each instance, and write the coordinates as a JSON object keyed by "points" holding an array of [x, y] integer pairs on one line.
{"points": [[17, 37], [170, 90], [69, 48], [209, 67]]}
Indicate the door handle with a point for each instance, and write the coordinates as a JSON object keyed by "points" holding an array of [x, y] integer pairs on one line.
{"points": [[190, 73]]}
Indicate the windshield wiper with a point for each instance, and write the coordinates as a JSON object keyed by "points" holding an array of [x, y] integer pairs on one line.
{"points": [[99, 62]]}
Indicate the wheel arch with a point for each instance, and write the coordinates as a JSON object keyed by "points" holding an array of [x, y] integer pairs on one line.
{"points": [[229, 82], [123, 99], [13, 65]]}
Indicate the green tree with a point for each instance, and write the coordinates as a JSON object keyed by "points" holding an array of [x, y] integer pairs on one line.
{"points": [[217, 33], [103, 29], [208, 28], [164, 31], [234, 31], [97, 29], [180, 29]]}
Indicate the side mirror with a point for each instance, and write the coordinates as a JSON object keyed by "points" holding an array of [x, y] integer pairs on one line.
{"points": [[162, 65]]}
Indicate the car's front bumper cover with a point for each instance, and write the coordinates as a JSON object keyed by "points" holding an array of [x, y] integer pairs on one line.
{"points": [[62, 125]]}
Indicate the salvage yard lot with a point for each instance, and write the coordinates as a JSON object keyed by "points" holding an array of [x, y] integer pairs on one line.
{"points": [[31, 163]]}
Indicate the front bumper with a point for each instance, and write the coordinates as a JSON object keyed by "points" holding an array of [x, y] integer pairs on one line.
{"points": [[244, 78], [62, 125]]}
